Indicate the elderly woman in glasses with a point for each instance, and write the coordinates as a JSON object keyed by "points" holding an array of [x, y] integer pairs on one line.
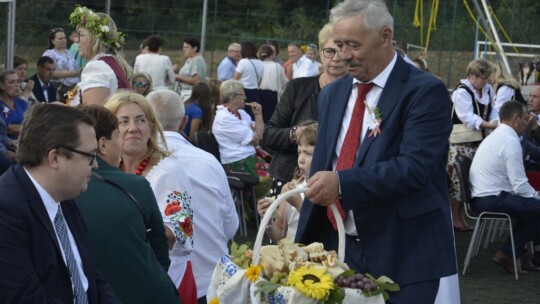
{"points": [[14, 107], [298, 103], [66, 75], [235, 132], [141, 83], [100, 43]]}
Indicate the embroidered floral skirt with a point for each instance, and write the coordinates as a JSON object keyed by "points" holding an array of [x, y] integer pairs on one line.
{"points": [[466, 149], [255, 166]]}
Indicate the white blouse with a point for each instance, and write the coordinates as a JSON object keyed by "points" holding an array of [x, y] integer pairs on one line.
{"points": [[171, 186], [96, 74], [464, 105], [233, 135], [274, 78], [251, 72], [159, 67]]}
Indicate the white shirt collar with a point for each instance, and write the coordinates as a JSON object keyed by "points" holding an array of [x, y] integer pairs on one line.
{"points": [[50, 204]]}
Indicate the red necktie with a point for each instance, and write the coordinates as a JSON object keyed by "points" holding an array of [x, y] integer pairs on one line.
{"points": [[347, 155]]}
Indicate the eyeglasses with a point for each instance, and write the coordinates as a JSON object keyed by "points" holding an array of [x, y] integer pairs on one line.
{"points": [[138, 84], [91, 155], [329, 52]]}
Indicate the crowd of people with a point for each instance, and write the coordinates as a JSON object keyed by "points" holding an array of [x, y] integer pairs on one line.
{"points": [[106, 197]]}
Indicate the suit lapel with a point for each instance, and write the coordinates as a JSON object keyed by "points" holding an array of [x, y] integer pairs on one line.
{"points": [[390, 97], [36, 204]]}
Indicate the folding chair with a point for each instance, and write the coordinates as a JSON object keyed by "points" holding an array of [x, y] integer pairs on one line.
{"points": [[462, 167]]}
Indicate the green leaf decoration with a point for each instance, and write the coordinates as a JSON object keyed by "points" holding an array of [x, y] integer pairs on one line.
{"points": [[349, 273], [336, 296], [266, 287]]}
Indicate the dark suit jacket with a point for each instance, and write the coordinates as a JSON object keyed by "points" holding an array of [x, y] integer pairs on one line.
{"points": [[397, 188], [31, 262], [133, 261], [38, 90]]}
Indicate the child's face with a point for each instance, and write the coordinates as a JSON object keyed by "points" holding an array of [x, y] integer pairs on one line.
{"points": [[305, 154]]}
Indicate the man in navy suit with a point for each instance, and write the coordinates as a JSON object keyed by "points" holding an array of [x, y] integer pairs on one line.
{"points": [[44, 253], [393, 193], [43, 89]]}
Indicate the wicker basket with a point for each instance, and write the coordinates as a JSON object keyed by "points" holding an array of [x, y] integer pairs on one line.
{"points": [[230, 285]]}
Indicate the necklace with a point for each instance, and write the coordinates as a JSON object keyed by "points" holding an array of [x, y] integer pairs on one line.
{"points": [[141, 167], [235, 113]]}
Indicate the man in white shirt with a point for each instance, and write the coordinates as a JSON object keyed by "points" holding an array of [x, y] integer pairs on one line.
{"points": [[44, 251], [217, 221], [499, 184], [302, 66]]}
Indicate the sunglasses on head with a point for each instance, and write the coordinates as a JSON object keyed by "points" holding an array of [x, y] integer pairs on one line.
{"points": [[57, 30], [138, 84]]}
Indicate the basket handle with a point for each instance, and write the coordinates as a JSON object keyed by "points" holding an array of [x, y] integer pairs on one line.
{"points": [[268, 215]]}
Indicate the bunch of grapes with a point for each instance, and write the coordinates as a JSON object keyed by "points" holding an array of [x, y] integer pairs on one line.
{"points": [[357, 281], [279, 277], [239, 254]]}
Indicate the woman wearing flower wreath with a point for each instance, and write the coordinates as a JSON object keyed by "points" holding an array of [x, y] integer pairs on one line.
{"points": [[100, 43], [140, 134]]}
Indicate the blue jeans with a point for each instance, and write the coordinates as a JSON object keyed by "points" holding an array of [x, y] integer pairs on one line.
{"points": [[524, 210]]}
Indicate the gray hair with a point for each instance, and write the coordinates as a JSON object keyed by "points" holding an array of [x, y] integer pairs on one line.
{"points": [[169, 108], [374, 12], [228, 89], [234, 46]]}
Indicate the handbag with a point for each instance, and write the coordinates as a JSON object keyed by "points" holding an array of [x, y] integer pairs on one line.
{"points": [[462, 134]]}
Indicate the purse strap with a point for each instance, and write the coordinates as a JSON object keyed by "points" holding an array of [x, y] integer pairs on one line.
{"points": [[256, 74], [132, 198]]}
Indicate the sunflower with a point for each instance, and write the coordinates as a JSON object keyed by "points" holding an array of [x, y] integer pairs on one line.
{"points": [[214, 300], [253, 272], [312, 282]]}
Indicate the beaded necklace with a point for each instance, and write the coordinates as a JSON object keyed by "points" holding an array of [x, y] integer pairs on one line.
{"points": [[141, 167], [235, 113]]}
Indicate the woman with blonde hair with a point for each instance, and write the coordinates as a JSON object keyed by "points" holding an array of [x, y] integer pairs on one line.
{"points": [[506, 87], [144, 153], [100, 43], [297, 104]]}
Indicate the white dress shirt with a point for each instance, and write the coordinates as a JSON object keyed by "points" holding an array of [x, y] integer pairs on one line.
{"points": [[372, 99], [304, 67], [52, 209], [498, 166], [233, 135], [216, 219]]}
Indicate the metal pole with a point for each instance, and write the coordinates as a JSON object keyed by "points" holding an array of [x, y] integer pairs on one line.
{"points": [[203, 29], [10, 52], [452, 45], [496, 35], [108, 7]]}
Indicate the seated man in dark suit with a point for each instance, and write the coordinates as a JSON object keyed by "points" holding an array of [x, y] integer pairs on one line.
{"points": [[134, 256], [43, 89], [44, 253], [499, 184]]}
